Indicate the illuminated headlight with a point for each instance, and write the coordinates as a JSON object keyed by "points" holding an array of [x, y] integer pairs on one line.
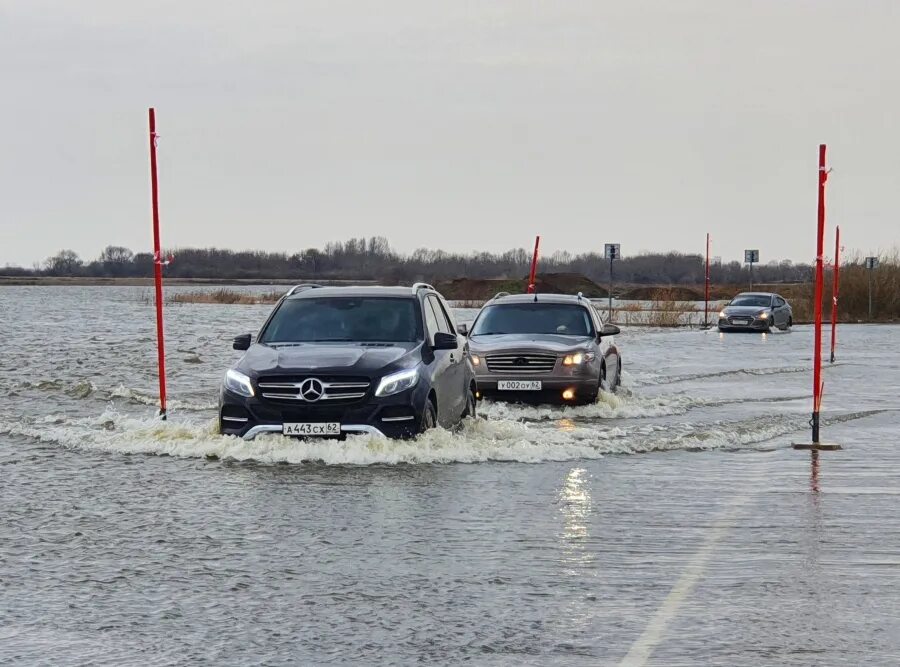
{"points": [[763, 315], [476, 360], [578, 358], [397, 382], [238, 383], [722, 314]]}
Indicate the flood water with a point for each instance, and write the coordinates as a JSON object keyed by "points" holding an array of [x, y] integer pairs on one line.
{"points": [[671, 524]]}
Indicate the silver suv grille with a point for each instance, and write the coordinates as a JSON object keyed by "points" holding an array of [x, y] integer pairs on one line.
{"points": [[313, 389], [524, 364]]}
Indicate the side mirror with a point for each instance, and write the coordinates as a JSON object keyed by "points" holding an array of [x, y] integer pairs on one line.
{"points": [[462, 329], [609, 330], [241, 342], [445, 341]]}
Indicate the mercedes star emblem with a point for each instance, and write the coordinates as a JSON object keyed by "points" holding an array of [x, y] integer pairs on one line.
{"points": [[312, 390]]}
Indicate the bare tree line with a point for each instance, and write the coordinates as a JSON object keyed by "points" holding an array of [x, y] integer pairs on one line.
{"points": [[373, 259]]}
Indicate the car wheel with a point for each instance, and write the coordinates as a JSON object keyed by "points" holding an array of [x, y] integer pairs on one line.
{"points": [[471, 410], [618, 375], [429, 417]]}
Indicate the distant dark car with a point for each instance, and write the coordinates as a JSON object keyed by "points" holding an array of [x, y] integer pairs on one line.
{"points": [[551, 348], [756, 311], [336, 360]]}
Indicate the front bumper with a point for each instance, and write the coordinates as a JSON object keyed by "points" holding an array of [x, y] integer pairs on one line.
{"points": [[397, 416], [254, 431], [741, 324], [582, 380]]}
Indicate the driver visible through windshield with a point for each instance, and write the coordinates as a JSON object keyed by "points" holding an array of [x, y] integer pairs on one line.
{"points": [[365, 320], [534, 318]]}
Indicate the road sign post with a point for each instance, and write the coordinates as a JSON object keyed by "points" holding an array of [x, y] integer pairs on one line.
{"points": [[611, 251], [751, 257], [871, 265]]}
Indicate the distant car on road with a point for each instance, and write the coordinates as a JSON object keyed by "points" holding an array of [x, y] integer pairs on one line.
{"points": [[336, 360], [543, 348], [756, 311]]}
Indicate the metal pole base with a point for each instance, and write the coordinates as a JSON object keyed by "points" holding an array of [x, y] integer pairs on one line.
{"points": [[817, 446]]}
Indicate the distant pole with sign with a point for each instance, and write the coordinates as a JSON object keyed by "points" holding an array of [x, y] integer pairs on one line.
{"points": [[818, 385], [157, 269], [532, 277], [871, 265], [611, 252], [834, 289], [751, 257]]}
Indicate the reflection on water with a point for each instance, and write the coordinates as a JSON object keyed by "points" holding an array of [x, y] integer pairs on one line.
{"points": [[575, 499]]}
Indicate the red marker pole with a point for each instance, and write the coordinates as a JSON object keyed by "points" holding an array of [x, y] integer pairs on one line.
{"points": [[706, 305], [820, 278], [835, 289], [157, 269], [533, 277]]}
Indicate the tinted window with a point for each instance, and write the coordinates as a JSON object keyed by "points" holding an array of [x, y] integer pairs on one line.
{"points": [[751, 300], [364, 319], [431, 319], [534, 318], [443, 319], [779, 301]]}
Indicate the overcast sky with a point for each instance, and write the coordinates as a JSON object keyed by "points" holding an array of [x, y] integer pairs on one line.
{"points": [[455, 125]]}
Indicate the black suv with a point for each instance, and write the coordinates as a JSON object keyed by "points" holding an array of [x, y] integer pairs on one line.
{"points": [[335, 360]]}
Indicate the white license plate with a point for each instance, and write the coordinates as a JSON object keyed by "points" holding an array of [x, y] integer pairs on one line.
{"points": [[519, 385], [740, 320], [307, 428]]}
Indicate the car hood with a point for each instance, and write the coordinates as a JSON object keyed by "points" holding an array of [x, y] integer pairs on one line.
{"points": [[343, 358], [544, 342], [744, 310]]}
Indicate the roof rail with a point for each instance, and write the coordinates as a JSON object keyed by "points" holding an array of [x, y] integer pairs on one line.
{"points": [[580, 296], [301, 288], [499, 295], [417, 286]]}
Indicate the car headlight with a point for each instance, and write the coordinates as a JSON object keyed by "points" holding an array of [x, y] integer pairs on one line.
{"points": [[397, 382], [476, 360], [238, 383], [722, 314], [763, 315], [578, 358]]}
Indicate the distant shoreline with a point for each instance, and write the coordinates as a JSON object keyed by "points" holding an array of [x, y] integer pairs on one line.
{"points": [[84, 281]]}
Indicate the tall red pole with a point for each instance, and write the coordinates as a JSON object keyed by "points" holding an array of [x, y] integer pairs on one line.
{"points": [[820, 277], [533, 277], [157, 269], [835, 288], [706, 305]]}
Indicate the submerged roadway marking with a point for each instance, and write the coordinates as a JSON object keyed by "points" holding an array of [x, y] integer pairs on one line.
{"points": [[643, 647]]}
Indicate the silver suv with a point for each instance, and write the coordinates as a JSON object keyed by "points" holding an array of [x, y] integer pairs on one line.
{"points": [[544, 348]]}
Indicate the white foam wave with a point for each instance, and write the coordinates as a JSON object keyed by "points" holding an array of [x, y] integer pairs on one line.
{"points": [[478, 441]]}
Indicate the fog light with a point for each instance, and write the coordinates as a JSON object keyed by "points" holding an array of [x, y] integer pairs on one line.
{"points": [[478, 394], [568, 395]]}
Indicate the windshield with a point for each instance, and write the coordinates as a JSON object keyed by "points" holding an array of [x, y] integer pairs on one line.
{"points": [[358, 319], [534, 318], [751, 300]]}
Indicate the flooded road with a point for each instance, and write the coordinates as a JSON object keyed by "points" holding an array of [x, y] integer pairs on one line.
{"points": [[669, 524]]}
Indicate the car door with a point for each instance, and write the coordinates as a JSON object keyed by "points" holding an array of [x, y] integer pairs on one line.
{"points": [[456, 369], [779, 311], [609, 352], [441, 375]]}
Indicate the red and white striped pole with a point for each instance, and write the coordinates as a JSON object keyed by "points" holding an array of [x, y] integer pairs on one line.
{"points": [[157, 269], [818, 385], [820, 278], [706, 304], [835, 288], [532, 278]]}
